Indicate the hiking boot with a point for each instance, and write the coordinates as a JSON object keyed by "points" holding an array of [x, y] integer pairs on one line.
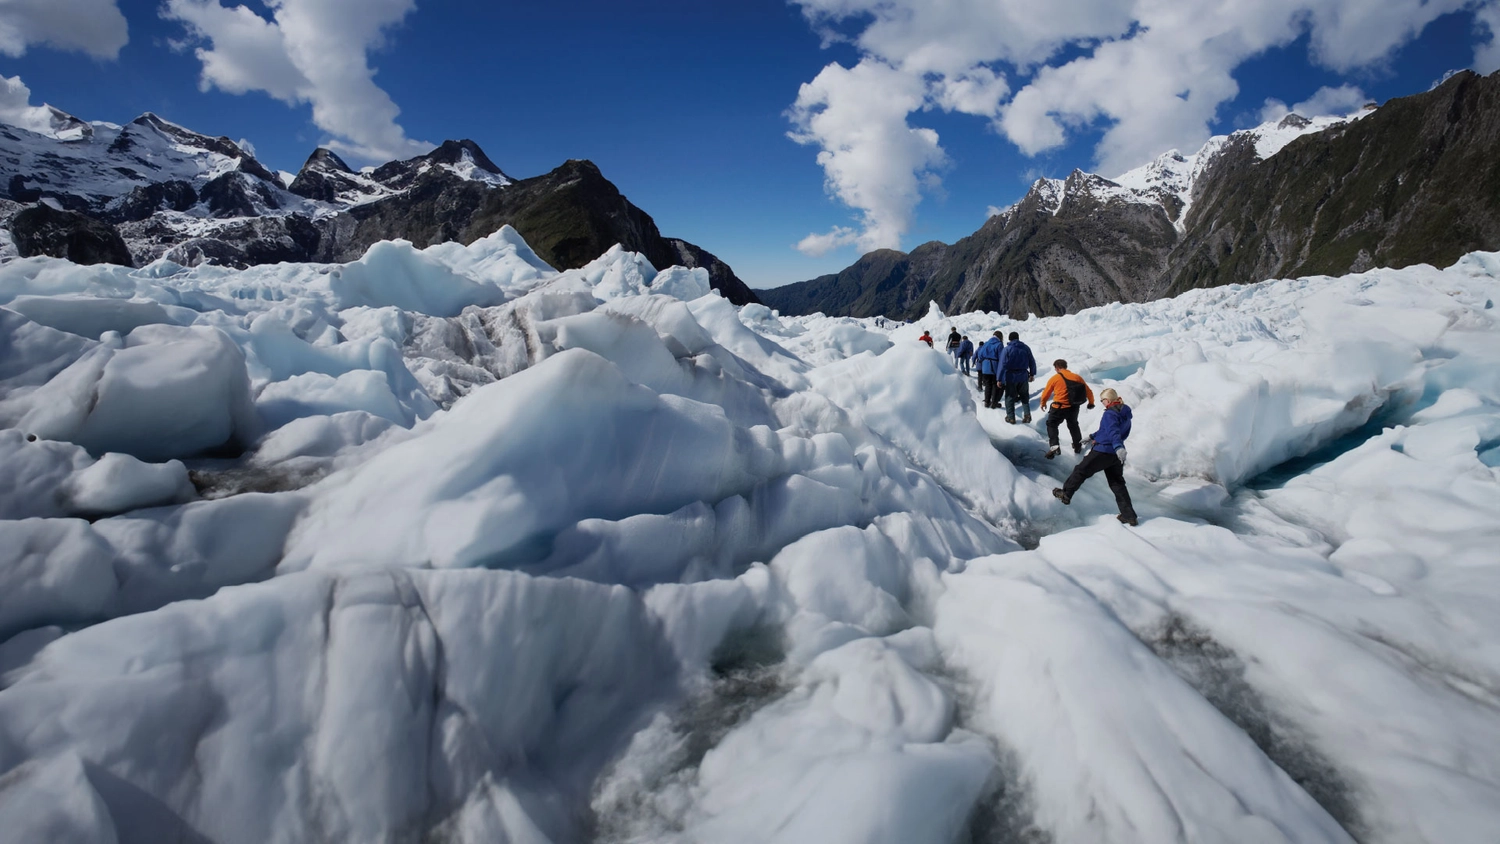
{"points": [[1026, 419], [1054, 451], [1011, 419], [1124, 519], [1064, 497], [1077, 448]]}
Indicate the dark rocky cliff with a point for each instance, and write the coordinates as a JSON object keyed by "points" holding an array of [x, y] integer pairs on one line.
{"points": [[43, 230], [1417, 181], [569, 216]]}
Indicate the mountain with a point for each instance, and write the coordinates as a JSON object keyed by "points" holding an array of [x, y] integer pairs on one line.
{"points": [[1414, 181], [569, 216], [171, 192]]}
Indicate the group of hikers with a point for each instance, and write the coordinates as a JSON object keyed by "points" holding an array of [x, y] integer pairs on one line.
{"points": [[1006, 371]]}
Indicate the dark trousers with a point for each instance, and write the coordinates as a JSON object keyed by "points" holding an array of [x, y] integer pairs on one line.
{"points": [[1017, 390], [1056, 417], [988, 385], [1101, 461]]}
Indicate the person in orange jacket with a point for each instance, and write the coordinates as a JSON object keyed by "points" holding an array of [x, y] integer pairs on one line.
{"points": [[1066, 391], [926, 338]]}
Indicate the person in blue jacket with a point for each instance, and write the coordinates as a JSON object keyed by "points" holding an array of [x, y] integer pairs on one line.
{"points": [[1017, 370], [1107, 455], [988, 358], [965, 351]]}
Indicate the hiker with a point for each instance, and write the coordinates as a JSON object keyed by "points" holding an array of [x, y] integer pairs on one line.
{"points": [[954, 341], [1067, 391], [1017, 371], [1106, 455], [926, 338], [988, 357], [965, 351]]}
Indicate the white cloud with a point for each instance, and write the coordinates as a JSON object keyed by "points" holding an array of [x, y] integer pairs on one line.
{"points": [[310, 51], [872, 160], [1152, 74], [818, 245], [1337, 102], [1487, 55], [1274, 109], [16, 108], [95, 27], [950, 37], [247, 52], [978, 92], [1345, 99]]}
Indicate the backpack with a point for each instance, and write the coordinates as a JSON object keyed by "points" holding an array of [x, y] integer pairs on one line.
{"points": [[1077, 393]]}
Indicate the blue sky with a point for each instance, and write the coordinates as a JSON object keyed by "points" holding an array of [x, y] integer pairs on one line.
{"points": [[687, 106]]}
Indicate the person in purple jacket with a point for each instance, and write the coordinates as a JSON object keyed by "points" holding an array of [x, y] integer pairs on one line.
{"points": [[1107, 455]]}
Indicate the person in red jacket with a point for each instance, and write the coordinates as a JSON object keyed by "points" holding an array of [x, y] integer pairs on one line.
{"points": [[1066, 391], [926, 338]]}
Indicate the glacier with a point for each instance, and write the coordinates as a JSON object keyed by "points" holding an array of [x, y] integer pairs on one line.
{"points": [[446, 545]]}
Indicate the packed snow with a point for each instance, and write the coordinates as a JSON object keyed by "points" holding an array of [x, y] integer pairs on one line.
{"points": [[446, 545]]}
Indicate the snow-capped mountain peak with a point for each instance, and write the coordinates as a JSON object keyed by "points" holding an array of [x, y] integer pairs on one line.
{"points": [[1169, 179], [66, 127], [325, 177], [165, 184], [327, 161], [462, 158], [465, 155], [152, 138], [472, 170]]}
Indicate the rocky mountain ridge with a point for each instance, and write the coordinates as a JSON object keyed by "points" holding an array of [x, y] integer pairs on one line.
{"points": [[170, 192], [1414, 181]]}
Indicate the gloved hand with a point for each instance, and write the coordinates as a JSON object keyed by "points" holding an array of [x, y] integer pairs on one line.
{"points": [[1091, 405], [1120, 453]]}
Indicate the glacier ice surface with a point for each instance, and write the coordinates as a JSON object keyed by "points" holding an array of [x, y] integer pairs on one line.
{"points": [[444, 544]]}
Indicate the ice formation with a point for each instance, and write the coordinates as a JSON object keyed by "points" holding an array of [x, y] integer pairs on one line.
{"points": [[446, 545]]}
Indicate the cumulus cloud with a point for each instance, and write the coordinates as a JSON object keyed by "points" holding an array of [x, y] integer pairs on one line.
{"points": [[1487, 55], [818, 245], [1339, 101], [872, 159], [1345, 99], [313, 52], [1151, 75], [978, 91], [94, 27], [16, 108]]}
